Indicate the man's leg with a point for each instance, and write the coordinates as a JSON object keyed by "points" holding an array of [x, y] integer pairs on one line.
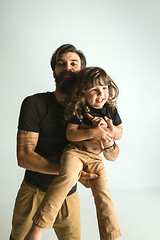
{"points": [[27, 202], [67, 224]]}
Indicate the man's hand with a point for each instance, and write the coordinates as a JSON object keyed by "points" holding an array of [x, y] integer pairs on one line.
{"points": [[85, 177]]}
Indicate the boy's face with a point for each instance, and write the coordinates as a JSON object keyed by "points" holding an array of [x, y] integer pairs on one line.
{"points": [[97, 96]]}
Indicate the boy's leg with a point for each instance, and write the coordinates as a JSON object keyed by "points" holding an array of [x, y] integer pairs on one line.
{"points": [[106, 215], [70, 170], [27, 202], [67, 224]]}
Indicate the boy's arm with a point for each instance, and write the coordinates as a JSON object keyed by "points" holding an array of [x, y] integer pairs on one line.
{"points": [[117, 131], [111, 155], [74, 134]]}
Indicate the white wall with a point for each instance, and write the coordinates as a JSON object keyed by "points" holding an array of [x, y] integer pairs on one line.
{"points": [[122, 36]]}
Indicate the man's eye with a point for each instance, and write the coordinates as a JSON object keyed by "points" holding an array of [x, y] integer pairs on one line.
{"points": [[60, 64], [74, 64]]}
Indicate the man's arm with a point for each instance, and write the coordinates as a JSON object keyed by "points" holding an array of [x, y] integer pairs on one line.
{"points": [[28, 158]]}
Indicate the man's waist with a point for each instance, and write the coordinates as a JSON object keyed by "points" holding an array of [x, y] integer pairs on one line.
{"points": [[42, 181]]}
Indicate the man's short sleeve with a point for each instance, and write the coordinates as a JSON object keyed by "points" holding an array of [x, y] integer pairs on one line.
{"points": [[29, 118]]}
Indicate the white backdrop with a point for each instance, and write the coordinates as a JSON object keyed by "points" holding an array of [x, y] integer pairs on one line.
{"points": [[121, 36]]}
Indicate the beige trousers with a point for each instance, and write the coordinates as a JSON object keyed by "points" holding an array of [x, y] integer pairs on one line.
{"points": [[72, 162], [66, 225]]}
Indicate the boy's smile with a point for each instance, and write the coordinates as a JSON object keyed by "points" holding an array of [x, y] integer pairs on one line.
{"points": [[97, 96]]}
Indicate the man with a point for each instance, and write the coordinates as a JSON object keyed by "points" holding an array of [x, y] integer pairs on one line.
{"points": [[40, 142]]}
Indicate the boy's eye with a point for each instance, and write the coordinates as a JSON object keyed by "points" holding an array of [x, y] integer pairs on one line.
{"points": [[104, 88], [94, 90]]}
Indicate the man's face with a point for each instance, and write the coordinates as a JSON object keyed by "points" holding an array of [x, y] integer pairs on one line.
{"points": [[67, 64]]}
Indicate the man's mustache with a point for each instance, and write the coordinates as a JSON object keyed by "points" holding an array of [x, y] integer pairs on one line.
{"points": [[66, 73], [65, 81]]}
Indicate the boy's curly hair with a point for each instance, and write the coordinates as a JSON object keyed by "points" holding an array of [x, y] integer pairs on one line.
{"points": [[87, 78]]}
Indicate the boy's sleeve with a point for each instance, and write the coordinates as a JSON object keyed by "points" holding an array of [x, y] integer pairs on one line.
{"points": [[74, 120], [115, 117]]}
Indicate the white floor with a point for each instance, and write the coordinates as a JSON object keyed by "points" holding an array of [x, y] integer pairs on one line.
{"points": [[138, 213]]}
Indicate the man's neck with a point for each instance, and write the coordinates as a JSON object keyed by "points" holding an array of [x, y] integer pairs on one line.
{"points": [[61, 97]]}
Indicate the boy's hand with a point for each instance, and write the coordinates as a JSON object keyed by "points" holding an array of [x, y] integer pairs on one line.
{"points": [[96, 121], [110, 126], [105, 124]]}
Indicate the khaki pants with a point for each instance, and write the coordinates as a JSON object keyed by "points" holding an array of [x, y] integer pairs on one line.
{"points": [[67, 223], [72, 162]]}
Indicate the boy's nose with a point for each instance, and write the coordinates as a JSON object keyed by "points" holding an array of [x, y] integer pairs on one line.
{"points": [[100, 92]]}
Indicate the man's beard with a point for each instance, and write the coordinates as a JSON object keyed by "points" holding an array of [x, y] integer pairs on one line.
{"points": [[65, 83]]}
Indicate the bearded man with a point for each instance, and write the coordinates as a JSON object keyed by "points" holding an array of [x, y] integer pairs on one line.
{"points": [[41, 139]]}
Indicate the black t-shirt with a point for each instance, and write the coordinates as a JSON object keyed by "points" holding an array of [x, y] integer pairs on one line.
{"points": [[111, 113], [43, 114]]}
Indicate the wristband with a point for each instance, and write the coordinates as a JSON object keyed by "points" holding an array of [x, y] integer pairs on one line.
{"points": [[110, 149]]}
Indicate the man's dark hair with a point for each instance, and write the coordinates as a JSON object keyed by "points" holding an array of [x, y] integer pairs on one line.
{"points": [[65, 49]]}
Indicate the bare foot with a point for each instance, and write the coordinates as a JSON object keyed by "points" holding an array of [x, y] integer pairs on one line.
{"points": [[34, 233]]}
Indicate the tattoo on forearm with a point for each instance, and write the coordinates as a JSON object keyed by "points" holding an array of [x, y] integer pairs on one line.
{"points": [[38, 157], [26, 140], [21, 148]]}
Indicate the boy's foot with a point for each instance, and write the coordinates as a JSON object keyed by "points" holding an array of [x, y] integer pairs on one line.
{"points": [[34, 233]]}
